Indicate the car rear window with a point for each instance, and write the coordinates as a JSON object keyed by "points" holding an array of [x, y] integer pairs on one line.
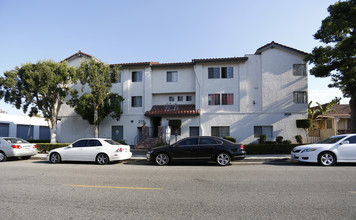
{"points": [[15, 141]]}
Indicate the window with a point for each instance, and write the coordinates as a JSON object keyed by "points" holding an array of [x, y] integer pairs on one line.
{"points": [[119, 78], [180, 98], [221, 131], [81, 143], [171, 98], [329, 124], [188, 98], [188, 142], [299, 70], [300, 97], [137, 76], [227, 72], [93, 143], [136, 101], [267, 130], [352, 140], [213, 72], [228, 99], [214, 99], [172, 76], [207, 141]]}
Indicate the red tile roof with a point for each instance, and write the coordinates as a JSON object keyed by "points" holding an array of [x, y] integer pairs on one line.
{"points": [[228, 59], [274, 44], [173, 110], [341, 110]]}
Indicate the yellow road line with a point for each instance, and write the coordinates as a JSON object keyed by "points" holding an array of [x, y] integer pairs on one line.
{"points": [[115, 187]]}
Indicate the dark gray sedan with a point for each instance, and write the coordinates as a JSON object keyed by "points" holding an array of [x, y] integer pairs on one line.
{"points": [[198, 148]]}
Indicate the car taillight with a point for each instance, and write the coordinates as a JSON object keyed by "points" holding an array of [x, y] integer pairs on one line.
{"points": [[35, 146], [16, 146], [242, 147], [120, 150]]}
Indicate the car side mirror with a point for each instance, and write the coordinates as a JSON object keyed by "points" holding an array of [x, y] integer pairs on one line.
{"points": [[345, 142]]}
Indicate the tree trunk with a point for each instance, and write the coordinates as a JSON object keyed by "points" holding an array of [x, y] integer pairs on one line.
{"points": [[52, 124], [96, 131], [353, 111]]}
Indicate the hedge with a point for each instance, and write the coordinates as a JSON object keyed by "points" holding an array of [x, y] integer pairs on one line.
{"points": [[46, 147], [269, 148]]}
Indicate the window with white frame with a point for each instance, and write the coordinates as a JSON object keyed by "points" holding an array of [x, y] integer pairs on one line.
{"points": [[214, 72], [299, 70], [227, 99], [172, 76], [136, 101], [266, 130], [180, 98], [227, 72], [188, 98], [171, 98], [300, 97], [220, 131], [137, 76], [214, 99]]}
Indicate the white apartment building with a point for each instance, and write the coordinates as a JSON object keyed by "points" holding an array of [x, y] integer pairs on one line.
{"points": [[243, 97]]}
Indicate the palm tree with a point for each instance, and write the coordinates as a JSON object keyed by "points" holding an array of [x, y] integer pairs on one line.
{"points": [[325, 109]]}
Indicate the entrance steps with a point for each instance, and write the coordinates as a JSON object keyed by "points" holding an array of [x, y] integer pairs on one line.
{"points": [[147, 143]]}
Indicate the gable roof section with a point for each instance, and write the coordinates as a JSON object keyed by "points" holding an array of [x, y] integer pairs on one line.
{"points": [[277, 45], [341, 110], [80, 54]]}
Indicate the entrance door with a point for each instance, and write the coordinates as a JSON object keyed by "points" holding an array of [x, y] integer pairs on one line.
{"points": [[117, 133]]}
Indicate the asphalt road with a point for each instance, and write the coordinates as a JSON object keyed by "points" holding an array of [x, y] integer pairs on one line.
{"points": [[138, 190]]}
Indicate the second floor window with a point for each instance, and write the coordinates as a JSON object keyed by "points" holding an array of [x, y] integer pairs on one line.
{"points": [[136, 101], [214, 99], [213, 72], [300, 97], [137, 76], [180, 98], [171, 98], [172, 76], [188, 98], [223, 72]]}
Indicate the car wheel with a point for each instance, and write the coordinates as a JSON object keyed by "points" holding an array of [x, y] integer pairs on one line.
{"points": [[162, 159], [223, 159], [2, 157], [327, 159], [55, 158], [102, 159]]}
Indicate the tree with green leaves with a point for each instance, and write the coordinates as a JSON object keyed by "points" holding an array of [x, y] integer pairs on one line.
{"points": [[99, 102], [175, 125], [38, 88], [338, 58]]}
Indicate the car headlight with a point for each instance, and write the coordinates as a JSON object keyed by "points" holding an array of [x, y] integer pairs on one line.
{"points": [[308, 150]]}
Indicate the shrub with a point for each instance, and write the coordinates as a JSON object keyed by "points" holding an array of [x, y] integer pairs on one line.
{"points": [[262, 139], [46, 147], [160, 144], [229, 138], [299, 139], [279, 139], [270, 142], [287, 142]]}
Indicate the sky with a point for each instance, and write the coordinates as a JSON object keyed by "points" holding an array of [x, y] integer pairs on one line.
{"points": [[125, 31]]}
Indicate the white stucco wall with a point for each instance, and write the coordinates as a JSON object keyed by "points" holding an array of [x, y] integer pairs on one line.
{"points": [[263, 89]]}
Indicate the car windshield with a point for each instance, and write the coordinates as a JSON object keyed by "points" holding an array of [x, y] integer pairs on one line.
{"points": [[15, 141], [112, 142], [331, 140]]}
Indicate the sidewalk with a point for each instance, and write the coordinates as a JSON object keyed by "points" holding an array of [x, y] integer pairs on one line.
{"points": [[141, 155]]}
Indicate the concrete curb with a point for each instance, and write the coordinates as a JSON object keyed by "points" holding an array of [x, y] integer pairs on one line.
{"points": [[283, 158]]}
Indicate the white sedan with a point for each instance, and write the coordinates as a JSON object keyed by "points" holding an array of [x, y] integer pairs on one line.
{"points": [[340, 148], [100, 150], [16, 147]]}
